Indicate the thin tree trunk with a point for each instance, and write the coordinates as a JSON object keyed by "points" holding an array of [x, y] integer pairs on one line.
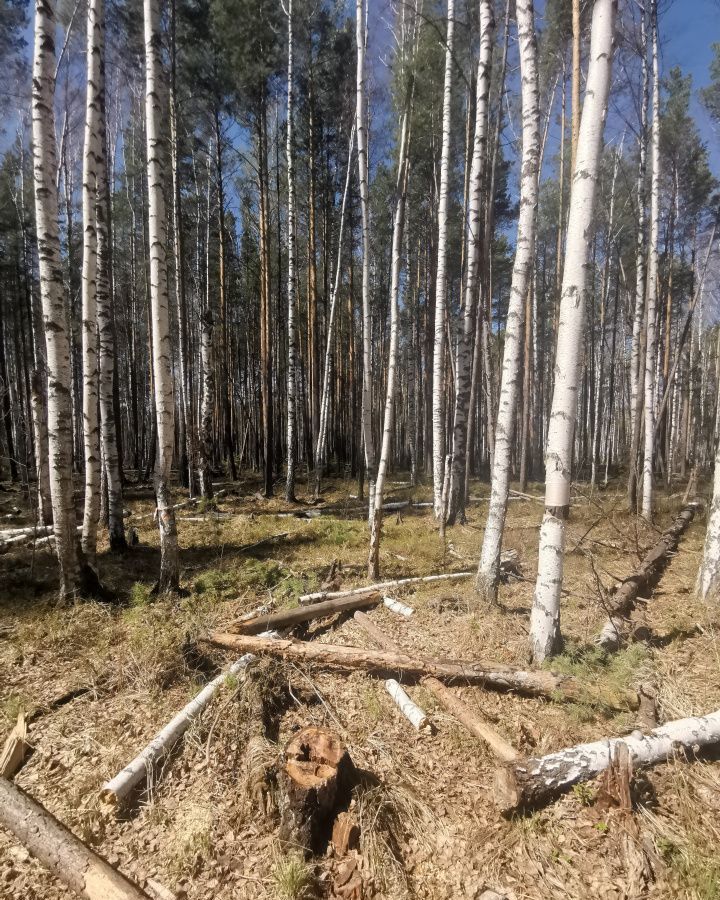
{"points": [[463, 385], [55, 313], [161, 349], [438, 396], [292, 326], [489, 567], [545, 616]]}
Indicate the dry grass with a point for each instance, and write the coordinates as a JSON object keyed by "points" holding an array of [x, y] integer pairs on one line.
{"points": [[429, 826]]}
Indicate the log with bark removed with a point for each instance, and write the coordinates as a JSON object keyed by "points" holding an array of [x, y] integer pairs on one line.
{"points": [[75, 864], [504, 751], [15, 748], [315, 778], [383, 662], [288, 617], [622, 602], [532, 782]]}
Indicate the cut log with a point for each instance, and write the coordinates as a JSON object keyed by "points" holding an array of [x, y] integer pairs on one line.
{"points": [[532, 782], [315, 778], [381, 586], [382, 662], [286, 618], [74, 863], [417, 717], [397, 607], [14, 749], [622, 602], [120, 789], [504, 751]]}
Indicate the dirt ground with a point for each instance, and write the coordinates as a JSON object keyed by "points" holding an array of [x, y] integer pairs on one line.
{"points": [[101, 680]]}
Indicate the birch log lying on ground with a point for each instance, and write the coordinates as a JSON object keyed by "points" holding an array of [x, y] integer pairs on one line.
{"points": [[381, 586], [191, 502], [135, 774], [504, 751], [75, 864], [531, 782], [622, 602], [286, 618], [383, 662]]}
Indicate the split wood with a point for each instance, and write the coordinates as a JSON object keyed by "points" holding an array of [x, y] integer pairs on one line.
{"points": [[623, 600], [531, 782], [504, 751], [73, 862], [382, 586], [288, 617], [491, 675], [16, 746]]}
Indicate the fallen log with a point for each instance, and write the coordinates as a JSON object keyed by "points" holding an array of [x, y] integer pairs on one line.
{"points": [[504, 751], [123, 786], [532, 782], [57, 848], [191, 502], [622, 602], [397, 607], [381, 586], [415, 715], [286, 618], [268, 540], [382, 662]]}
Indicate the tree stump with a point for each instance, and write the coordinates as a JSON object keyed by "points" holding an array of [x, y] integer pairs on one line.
{"points": [[315, 779]]}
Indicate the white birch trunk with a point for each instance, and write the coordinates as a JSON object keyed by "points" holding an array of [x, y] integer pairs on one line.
{"points": [[489, 567], [652, 277], [637, 371], [321, 448], [545, 616], [362, 139], [438, 395], [708, 582], [376, 502], [464, 367], [292, 303], [161, 349], [52, 293], [93, 163]]}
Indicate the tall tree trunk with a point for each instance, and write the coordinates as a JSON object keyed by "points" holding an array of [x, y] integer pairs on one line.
{"points": [[292, 326], [489, 567], [161, 349], [363, 176], [545, 617], [463, 386], [93, 164], [438, 404], [576, 62], [55, 313], [637, 364], [652, 276]]}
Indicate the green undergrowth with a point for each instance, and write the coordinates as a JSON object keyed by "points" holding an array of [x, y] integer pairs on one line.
{"points": [[698, 872]]}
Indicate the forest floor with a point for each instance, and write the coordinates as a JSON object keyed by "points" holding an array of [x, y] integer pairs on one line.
{"points": [[429, 825]]}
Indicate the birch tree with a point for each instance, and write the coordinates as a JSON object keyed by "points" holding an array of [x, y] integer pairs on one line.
{"points": [[652, 276], [161, 349], [292, 326], [545, 616], [489, 567], [438, 396], [52, 293], [93, 163], [362, 140], [464, 364]]}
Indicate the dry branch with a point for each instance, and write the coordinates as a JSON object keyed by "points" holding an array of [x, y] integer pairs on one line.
{"points": [[531, 782], [504, 751], [286, 618], [622, 602], [75, 864], [381, 586], [491, 675]]}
